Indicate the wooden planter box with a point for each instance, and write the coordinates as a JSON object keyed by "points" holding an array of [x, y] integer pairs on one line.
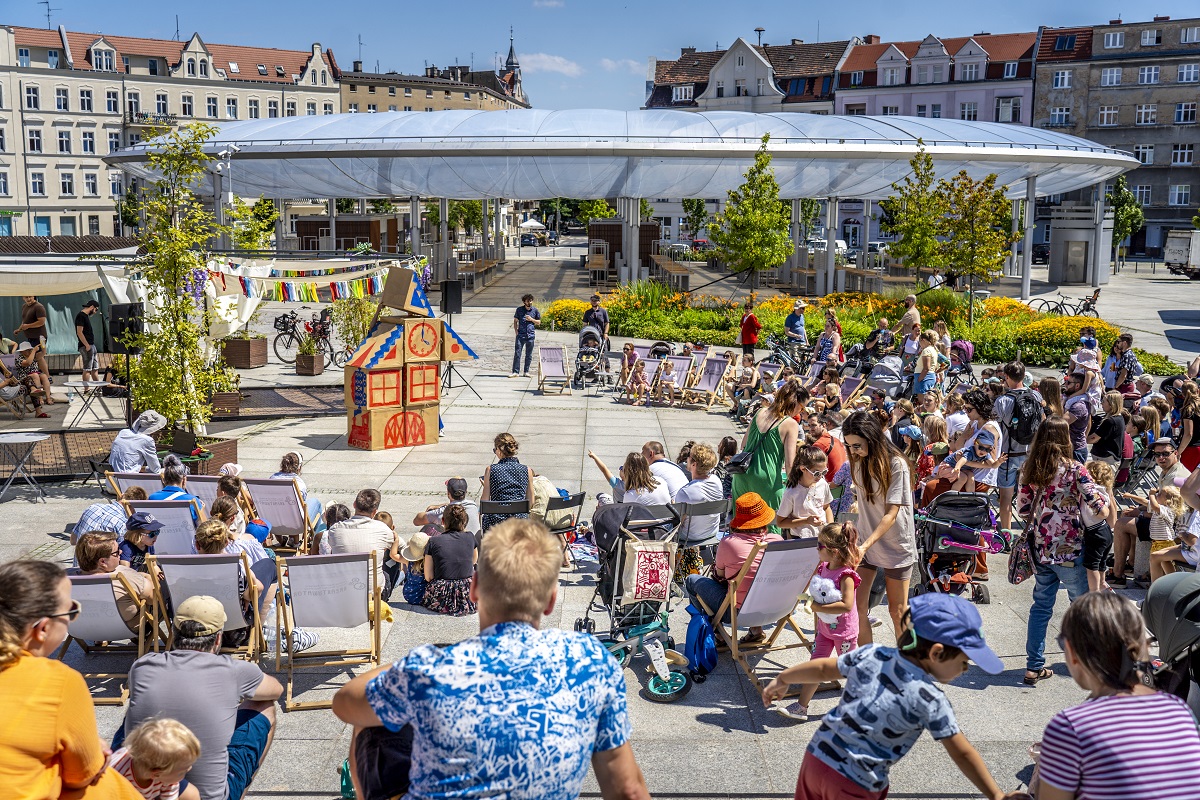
{"points": [[245, 353], [223, 451], [226, 404], [310, 365]]}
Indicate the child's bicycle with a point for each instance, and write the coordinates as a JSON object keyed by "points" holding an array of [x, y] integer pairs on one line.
{"points": [[669, 679]]}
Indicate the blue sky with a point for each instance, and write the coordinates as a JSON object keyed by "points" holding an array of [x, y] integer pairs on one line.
{"points": [[573, 53]]}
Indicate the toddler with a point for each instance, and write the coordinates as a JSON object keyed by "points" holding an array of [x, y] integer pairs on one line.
{"points": [[969, 459], [639, 385], [668, 381], [141, 531], [412, 555], [156, 756], [804, 507], [1098, 529], [1166, 506]]}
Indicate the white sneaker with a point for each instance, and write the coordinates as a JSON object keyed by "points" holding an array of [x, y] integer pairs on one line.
{"points": [[514, 375], [792, 710]]}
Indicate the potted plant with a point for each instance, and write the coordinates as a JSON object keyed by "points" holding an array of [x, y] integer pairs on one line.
{"points": [[310, 360], [244, 350], [224, 384]]}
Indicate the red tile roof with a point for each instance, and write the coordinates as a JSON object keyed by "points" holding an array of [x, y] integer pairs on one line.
{"points": [[999, 47], [1082, 50], [788, 61]]}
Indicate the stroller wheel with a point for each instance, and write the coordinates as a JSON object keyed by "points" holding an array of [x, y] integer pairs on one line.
{"points": [[916, 589], [980, 594], [678, 684], [578, 625], [591, 626], [697, 677]]}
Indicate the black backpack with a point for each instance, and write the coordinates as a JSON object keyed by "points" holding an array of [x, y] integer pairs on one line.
{"points": [[1027, 415]]}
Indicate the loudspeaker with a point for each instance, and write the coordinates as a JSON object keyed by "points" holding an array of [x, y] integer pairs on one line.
{"points": [[452, 297], [123, 319]]}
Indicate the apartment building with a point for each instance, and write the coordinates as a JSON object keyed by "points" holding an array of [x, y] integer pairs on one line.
{"points": [[68, 98], [1133, 86]]}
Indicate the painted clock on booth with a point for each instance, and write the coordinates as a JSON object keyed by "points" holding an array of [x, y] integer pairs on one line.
{"points": [[423, 340]]}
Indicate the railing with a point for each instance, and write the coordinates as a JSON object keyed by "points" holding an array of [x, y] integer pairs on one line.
{"points": [[147, 118]]}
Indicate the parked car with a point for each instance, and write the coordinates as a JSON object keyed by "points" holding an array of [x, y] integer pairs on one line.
{"points": [[703, 245], [1041, 254], [528, 240], [876, 247]]}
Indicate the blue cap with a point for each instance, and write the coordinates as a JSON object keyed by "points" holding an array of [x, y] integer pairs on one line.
{"points": [[143, 521], [985, 439], [912, 432], [951, 620], [259, 528]]}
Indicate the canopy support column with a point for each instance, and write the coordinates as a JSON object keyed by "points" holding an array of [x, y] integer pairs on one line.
{"points": [[831, 211], [1013, 263], [483, 207], [414, 223], [1027, 244], [332, 225], [444, 235], [793, 261], [1099, 255], [497, 243]]}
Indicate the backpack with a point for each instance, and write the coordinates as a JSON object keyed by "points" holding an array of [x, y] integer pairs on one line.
{"points": [[700, 648], [1027, 415]]}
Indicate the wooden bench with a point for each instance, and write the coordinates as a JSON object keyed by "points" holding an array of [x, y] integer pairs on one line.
{"points": [[597, 267], [678, 276], [474, 269]]}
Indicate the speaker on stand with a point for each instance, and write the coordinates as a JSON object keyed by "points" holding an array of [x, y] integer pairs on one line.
{"points": [[125, 319], [451, 304]]}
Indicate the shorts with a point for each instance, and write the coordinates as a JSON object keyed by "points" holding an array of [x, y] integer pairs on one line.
{"points": [[1096, 544], [819, 781], [1143, 528], [825, 646], [1158, 545], [891, 573], [246, 749], [925, 384], [90, 359], [1009, 471]]}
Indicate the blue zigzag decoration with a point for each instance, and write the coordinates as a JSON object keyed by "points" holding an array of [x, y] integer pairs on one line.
{"points": [[420, 299], [382, 350]]}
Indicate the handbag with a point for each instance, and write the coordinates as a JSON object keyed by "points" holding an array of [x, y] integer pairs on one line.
{"points": [[740, 462], [1020, 558], [647, 573]]}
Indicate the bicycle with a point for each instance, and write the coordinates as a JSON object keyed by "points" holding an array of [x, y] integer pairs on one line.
{"points": [[788, 354], [288, 339], [1069, 306]]}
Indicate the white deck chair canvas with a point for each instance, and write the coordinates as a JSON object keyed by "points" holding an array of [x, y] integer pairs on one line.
{"points": [[782, 576], [708, 386], [215, 576], [178, 536], [552, 369], [336, 591], [120, 481], [279, 502], [204, 487], [99, 624]]}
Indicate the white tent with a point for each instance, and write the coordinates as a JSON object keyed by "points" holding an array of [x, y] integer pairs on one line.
{"points": [[532, 225]]}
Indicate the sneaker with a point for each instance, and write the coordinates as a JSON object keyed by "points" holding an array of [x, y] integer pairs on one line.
{"points": [[792, 710], [514, 375], [875, 621], [524, 374]]}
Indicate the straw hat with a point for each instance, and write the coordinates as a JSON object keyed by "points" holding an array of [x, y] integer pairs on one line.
{"points": [[751, 512], [414, 548]]}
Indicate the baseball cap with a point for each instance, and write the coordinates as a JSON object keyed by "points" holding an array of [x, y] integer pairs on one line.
{"points": [[202, 609], [951, 620], [457, 487], [940, 448], [1145, 379], [985, 438], [258, 528], [143, 521], [912, 432]]}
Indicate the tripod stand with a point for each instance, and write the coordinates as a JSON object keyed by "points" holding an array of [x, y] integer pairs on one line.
{"points": [[451, 371]]}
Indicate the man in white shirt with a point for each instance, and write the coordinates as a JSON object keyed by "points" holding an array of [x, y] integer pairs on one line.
{"points": [[362, 533], [703, 488], [663, 468], [1145, 388], [456, 492]]}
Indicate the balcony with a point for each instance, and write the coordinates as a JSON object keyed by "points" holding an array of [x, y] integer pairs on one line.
{"points": [[149, 119]]}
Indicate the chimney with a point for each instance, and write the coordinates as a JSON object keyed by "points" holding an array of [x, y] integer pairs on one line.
{"points": [[984, 33], [357, 66], [1114, 22], [797, 41], [1162, 19], [871, 38], [687, 51]]}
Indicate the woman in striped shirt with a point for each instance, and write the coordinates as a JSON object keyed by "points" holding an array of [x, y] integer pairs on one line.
{"points": [[1126, 741]]}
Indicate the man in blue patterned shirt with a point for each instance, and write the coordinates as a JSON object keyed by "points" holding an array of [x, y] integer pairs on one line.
{"points": [[516, 711]]}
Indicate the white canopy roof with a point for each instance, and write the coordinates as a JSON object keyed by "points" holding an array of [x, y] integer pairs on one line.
{"points": [[583, 153]]}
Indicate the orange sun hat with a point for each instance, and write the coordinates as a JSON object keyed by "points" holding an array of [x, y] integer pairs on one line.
{"points": [[752, 512]]}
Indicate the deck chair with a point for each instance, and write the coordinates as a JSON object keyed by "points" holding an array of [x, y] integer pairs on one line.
{"points": [[205, 487], [783, 575], [851, 388], [707, 389], [810, 378], [566, 531], [280, 503], [99, 624], [215, 576], [178, 537], [120, 481], [683, 370], [641, 351], [767, 373], [552, 368]]}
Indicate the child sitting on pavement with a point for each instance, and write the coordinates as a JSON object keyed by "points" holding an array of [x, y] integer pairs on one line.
{"points": [[155, 758]]}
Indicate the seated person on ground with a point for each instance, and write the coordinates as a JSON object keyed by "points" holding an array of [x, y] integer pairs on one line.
{"points": [[449, 564], [412, 556], [99, 554], [456, 493]]}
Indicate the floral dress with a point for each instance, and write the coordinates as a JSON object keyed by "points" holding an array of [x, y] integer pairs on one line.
{"points": [[1057, 524], [508, 482]]}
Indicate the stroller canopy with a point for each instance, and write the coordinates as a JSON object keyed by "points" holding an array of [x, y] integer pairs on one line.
{"points": [[590, 336], [1172, 613]]}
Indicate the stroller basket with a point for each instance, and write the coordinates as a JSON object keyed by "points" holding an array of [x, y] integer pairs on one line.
{"points": [[962, 516]]}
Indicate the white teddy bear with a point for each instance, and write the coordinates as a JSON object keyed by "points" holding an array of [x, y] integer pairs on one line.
{"points": [[823, 591]]}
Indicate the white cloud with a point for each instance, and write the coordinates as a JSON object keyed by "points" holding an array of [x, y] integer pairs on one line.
{"points": [[622, 65], [545, 62], [547, 3]]}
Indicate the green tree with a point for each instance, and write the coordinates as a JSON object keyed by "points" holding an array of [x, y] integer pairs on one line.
{"points": [[696, 216], [810, 212], [466, 214], [253, 224], [976, 241], [752, 234], [382, 206], [346, 205], [127, 209], [1128, 216], [595, 209], [645, 210], [916, 212]]}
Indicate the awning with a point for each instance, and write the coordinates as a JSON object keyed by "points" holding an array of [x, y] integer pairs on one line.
{"points": [[55, 273]]}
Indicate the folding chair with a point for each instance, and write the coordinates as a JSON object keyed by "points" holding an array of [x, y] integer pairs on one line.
{"points": [[641, 351], [338, 591], [215, 576], [707, 388], [19, 405], [767, 373], [566, 531], [120, 481], [178, 536], [689, 511], [499, 507], [683, 370], [99, 624], [280, 503], [782, 576], [813, 375], [552, 368], [851, 388]]}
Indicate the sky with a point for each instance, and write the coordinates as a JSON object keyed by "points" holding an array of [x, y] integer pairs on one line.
{"points": [[573, 53]]}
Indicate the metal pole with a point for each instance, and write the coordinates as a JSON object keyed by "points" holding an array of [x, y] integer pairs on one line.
{"points": [[831, 210], [483, 206], [414, 214], [1098, 254], [444, 234], [1012, 248], [332, 224], [1027, 244], [496, 243]]}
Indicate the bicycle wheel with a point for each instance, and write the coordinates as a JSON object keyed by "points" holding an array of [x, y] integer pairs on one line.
{"points": [[285, 347], [1090, 311], [678, 684], [326, 347], [341, 356], [1046, 307]]}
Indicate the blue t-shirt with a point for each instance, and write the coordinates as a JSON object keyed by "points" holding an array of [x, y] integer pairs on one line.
{"points": [[526, 330], [513, 712], [887, 703], [795, 324], [136, 556], [176, 493]]}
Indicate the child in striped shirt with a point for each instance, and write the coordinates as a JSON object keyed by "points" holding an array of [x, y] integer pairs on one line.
{"points": [[155, 758]]}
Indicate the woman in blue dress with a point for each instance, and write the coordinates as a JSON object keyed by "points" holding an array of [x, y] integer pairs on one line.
{"points": [[506, 481]]}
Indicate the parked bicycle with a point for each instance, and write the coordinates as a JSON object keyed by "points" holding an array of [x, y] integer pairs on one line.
{"points": [[291, 328], [1069, 306], [785, 353]]}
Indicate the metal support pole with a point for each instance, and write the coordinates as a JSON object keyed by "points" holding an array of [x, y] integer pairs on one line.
{"points": [[1099, 257], [332, 224], [1027, 244], [483, 208], [1012, 248], [496, 241], [635, 237], [414, 215], [831, 210], [444, 235]]}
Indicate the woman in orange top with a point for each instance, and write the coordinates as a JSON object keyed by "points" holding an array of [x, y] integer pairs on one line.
{"points": [[49, 746]]}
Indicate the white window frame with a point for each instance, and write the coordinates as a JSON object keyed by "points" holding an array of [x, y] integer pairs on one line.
{"points": [[66, 184], [1185, 113], [682, 93], [1107, 115], [892, 76], [64, 142], [162, 103], [1144, 153], [87, 140], [3, 184], [889, 111], [968, 111], [34, 140], [23, 57], [1143, 194], [231, 108], [760, 87], [856, 78], [1114, 40], [1151, 37], [1110, 76], [1188, 73], [187, 105], [33, 98], [91, 184], [1179, 194], [1148, 76], [970, 72], [1183, 155], [1189, 35], [327, 109], [1062, 79], [85, 100], [37, 184], [1146, 114], [114, 141], [212, 107], [1060, 116], [62, 99], [1010, 70], [112, 101]]}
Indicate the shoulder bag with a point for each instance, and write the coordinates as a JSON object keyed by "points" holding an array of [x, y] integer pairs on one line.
{"points": [[1020, 558], [739, 463]]}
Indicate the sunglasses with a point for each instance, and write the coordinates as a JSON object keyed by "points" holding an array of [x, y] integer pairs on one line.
{"points": [[817, 473], [76, 609], [1163, 454]]}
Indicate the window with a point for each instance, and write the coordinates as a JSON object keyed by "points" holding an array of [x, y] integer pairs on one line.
{"points": [[741, 61], [968, 111], [920, 110], [1010, 70], [856, 78], [290, 108], [428, 108], [428, 94], [408, 91], [1008, 109], [1181, 155], [191, 67], [134, 138], [969, 72], [252, 109], [720, 88], [328, 108], [1189, 35], [203, 68], [37, 184], [1185, 113], [272, 109], [890, 111], [935, 111], [1064, 42], [3, 141], [372, 108], [231, 108], [1180, 195], [760, 87], [1146, 114], [1151, 37], [112, 101], [262, 69], [1110, 76], [114, 141], [52, 59], [88, 139], [211, 104], [1144, 153], [186, 105], [681, 93], [893, 76], [64, 141], [91, 185], [133, 103], [313, 76], [33, 100], [391, 91], [66, 183], [1060, 115], [1189, 73], [103, 60], [1062, 79], [1147, 75], [1141, 193], [391, 107], [160, 103], [114, 184], [323, 79], [125, 63], [739, 87], [408, 108], [35, 140], [85, 100], [4, 184], [93, 225], [66, 226], [22, 56], [152, 66], [1114, 40], [1108, 115], [61, 101]]}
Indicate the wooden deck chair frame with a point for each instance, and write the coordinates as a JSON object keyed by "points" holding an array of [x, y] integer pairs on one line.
{"points": [[629, 381], [856, 384], [708, 385], [271, 498], [573, 503], [546, 376], [180, 532], [683, 369], [207, 486], [253, 648], [790, 584], [120, 481], [810, 378], [103, 636], [322, 614]]}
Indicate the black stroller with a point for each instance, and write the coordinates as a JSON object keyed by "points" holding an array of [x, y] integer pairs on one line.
{"points": [[1172, 614], [951, 532], [591, 362]]}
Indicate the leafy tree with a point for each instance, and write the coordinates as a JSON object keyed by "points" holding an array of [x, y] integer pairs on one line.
{"points": [[559, 209], [752, 233], [975, 242], [253, 224], [383, 206], [916, 212], [1128, 216], [696, 216], [595, 209], [466, 214], [645, 210], [810, 212], [433, 215], [346, 205], [127, 209]]}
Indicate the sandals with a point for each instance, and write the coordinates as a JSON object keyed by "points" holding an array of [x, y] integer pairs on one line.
{"points": [[752, 639], [1041, 675]]}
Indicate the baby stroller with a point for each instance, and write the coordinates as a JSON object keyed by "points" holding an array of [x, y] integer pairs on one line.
{"points": [[638, 614], [960, 371], [888, 375], [951, 531], [1172, 614], [591, 363]]}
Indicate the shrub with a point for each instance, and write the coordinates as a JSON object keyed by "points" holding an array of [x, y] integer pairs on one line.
{"points": [[1050, 341], [1006, 307], [1156, 364], [564, 315]]}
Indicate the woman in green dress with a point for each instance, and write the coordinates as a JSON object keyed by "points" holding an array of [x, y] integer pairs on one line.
{"points": [[772, 435]]}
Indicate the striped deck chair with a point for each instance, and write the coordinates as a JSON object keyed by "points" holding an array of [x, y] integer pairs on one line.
{"points": [[552, 368], [851, 388], [120, 481], [813, 376], [708, 386]]}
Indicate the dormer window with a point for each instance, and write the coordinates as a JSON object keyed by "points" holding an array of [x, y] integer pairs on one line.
{"points": [[191, 67], [203, 68], [968, 72], [279, 70], [52, 59], [681, 94], [262, 69], [1010, 69], [234, 68]]}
